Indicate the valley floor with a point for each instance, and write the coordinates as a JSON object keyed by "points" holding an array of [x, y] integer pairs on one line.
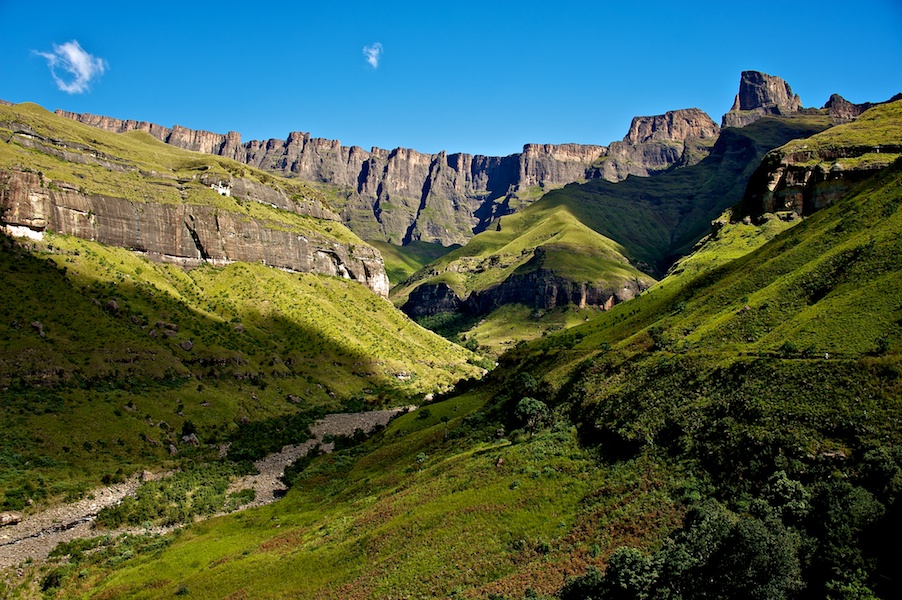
{"points": [[35, 536]]}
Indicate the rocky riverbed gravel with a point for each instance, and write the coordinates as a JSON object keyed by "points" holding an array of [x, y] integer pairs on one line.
{"points": [[36, 535]]}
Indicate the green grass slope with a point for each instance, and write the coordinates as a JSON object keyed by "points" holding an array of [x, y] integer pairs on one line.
{"points": [[403, 261], [435, 506], [494, 255], [781, 365], [658, 219], [99, 346]]}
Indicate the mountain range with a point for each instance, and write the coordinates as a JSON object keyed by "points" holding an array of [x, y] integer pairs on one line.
{"points": [[686, 381]]}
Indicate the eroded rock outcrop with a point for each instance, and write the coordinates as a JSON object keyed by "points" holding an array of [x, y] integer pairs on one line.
{"points": [[185, 234], [676, 126], [550, 165], [807, 175], [843, 111], [657, 143], [538, 289], [759, 95]]}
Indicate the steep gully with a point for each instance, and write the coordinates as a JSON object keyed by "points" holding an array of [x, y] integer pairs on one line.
{"points": [[35, 536]]}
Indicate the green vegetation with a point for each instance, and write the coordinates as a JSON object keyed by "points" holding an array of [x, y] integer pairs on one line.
{"points": [[511, 324], [403, 261], [199, 490], [658, 219], [103, 387], [412, 512], [732, 432], [879, 126]]}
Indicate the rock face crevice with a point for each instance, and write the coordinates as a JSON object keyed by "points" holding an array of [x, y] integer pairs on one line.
{"points": [[184, 234], [403, 195]]}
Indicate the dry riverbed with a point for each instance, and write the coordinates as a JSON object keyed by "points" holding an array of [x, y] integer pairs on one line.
{"points": [[35, 536]]}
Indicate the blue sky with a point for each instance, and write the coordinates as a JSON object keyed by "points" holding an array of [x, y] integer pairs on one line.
{"points": [[478, 77]]}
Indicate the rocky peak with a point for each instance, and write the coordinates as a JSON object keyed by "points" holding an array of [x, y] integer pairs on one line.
{"points": [[675, 125], [760, 94], [843, 111]]}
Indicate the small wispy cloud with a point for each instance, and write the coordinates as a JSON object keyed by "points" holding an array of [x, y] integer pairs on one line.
{"points": [[72, 68], [373, 54]]}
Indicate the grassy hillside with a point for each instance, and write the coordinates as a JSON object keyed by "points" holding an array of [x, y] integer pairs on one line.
{"points": [[99, 346], [733, 432], [496, 254], [782, 365], [403, 261], [436, 506], [658, 219], [106, 359]]}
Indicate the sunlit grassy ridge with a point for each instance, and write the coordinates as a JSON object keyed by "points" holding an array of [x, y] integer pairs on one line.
{"points": [[880, 125], [100, 345], [495, 254]]}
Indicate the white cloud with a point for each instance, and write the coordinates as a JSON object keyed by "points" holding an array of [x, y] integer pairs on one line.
{"points": [[373, 54], [73, 68]]}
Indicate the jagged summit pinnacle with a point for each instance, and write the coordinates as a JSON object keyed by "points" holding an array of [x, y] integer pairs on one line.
{"points": [[760, 94]]}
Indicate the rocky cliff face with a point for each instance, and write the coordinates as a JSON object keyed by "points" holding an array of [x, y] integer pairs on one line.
{"points": [[759, 95], [843, 111], [539, 289], [804, 182], [676, 126], [807, 175], [551, 166], [657, 143], [185, 234], [403, 195]]}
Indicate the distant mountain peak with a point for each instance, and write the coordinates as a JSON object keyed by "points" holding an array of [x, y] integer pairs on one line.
{"points": [[760, 94], [675, 125]]}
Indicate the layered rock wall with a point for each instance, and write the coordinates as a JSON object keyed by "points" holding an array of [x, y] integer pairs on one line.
{"points": [[538, 289], [804, 182], [404, 195], [185, 234], [658, 143]]}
